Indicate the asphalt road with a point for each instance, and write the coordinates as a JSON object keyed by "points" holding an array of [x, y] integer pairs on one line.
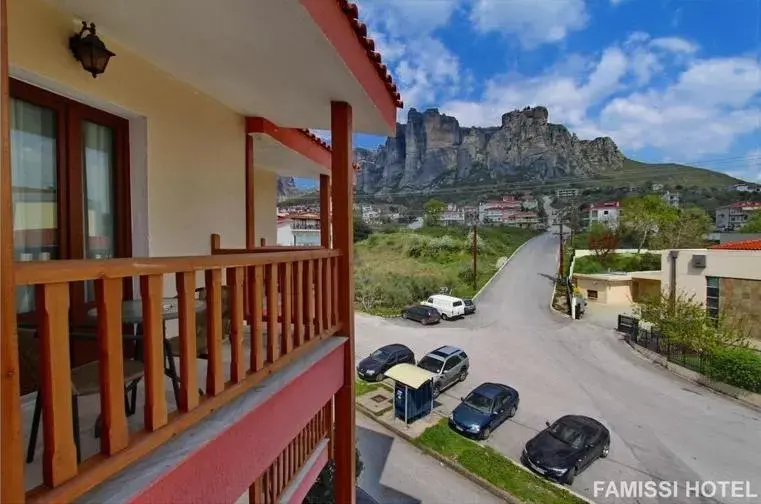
{"points": [[662, 427], [395, 472]]}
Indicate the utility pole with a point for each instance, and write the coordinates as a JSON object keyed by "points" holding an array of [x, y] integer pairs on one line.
{"points": [[560, 266], [474, 247]]}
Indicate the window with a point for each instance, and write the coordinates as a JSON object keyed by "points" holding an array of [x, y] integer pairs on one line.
{"points": [[70, 184], [712, 297], [451, 363], [592, 294]]}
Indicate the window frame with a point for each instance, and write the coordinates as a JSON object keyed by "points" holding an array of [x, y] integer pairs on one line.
{"points": [[70, 175], [713, 302]]}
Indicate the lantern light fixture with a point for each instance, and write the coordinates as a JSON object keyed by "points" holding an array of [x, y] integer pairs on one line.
{"points": [[90, 50]]}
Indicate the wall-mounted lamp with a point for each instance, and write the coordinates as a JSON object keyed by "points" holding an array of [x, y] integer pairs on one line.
{"points": [[90, 50]]}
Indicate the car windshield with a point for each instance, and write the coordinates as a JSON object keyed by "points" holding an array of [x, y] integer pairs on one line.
{"points": [[468, 302], [567, 434], [479, 402], [379, 355], [430, 364]]}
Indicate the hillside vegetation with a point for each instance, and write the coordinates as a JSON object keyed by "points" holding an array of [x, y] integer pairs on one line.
{"points": [[396, 269]]}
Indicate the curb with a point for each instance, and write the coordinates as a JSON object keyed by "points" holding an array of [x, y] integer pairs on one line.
{"points": [[728, 391], [462, 471], [497, 492], [496, 273]]}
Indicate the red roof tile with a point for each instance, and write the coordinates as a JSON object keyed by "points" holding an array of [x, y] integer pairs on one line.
{"points": [[739, 245], [351, 11]]}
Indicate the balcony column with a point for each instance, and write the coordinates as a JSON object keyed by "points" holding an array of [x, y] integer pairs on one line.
{"points": [[12, 475], [325, 199], [250, 189], [342, 195]]}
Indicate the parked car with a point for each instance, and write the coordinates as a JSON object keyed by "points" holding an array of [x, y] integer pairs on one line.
{"points": [[421, 313], [484, 409], [567, 447], [450, 307], [470, 306], [450, 365], [374, 367]]}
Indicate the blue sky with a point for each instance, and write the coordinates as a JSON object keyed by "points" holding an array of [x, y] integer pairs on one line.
{"points": [[668, 80]]}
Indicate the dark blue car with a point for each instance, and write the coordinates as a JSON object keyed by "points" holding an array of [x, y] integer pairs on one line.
{"points": [[484, 409]]}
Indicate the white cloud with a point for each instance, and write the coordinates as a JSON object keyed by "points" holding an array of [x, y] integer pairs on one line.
{"points": [[408, 18], [704, 108], [674, 44], [533, 22]]}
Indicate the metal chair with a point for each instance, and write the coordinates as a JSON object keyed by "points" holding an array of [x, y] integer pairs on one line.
{"points": [[84, 382]]}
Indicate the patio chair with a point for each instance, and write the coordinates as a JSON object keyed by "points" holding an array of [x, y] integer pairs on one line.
{"points": [[84, 382]]}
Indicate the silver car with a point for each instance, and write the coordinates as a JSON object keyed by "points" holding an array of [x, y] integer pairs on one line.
{"points": [[450, 365]]}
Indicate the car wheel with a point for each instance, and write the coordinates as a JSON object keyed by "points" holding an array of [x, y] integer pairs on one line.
{"points": [[424, 321], [605, 450], [380, 377], [570, 476], [404, 315], [485, 434], [436, 390], [444, 316], [513, 410], [463, 375]]}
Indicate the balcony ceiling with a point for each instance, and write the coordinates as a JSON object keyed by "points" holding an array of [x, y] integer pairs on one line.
{"points": [[264, 58], [271, 155]]}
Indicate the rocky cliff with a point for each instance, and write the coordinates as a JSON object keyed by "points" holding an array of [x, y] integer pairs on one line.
{"points": [[432, 150], [286, 186]]}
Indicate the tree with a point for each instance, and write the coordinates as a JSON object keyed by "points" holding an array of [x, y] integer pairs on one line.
{"points": [[686, 322], [686, 230], [644, 216], [362, 229], [323, 490], [433, 209], [602, 241], [753, 225]]}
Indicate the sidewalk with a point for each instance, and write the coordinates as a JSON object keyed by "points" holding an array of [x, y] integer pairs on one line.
{"points": [[397, 472]]}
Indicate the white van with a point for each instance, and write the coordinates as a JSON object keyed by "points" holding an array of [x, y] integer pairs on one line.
{"points": [[449, 306]]}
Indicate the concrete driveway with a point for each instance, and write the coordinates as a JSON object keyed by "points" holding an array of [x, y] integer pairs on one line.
{"points": [[662, 428]]}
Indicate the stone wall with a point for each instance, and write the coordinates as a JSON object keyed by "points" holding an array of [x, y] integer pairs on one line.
{"points": [[741, 296]]}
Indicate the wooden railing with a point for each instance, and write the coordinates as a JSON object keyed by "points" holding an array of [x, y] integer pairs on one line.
{"points": [[269, 487], [299, 286]]}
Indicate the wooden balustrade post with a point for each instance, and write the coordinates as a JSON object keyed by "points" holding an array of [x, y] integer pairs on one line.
{"points": [[342, 194], [11, 447], [186, 286], [151, 289], [325, 228], [215, 243], [235, 287], [214, 372]]}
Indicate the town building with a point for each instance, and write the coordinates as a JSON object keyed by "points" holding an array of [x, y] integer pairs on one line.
{"points": [[567, 193], [745, 187], [672, 198], [607, 213], [733, 216], [132, 269], [299, 230], [726, 278]]}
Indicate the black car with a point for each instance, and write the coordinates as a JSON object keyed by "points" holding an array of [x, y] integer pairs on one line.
{"points": [[423, 314], [470, 306], [567, 447], [484, 409], [372, 368]]}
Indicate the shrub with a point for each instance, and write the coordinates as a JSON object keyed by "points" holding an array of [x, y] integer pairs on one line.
{"points": [[323, 491], [740, 367], [465, 272]]}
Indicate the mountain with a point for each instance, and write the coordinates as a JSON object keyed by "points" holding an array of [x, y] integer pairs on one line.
{"points": [[432, 151], [286, 186]]}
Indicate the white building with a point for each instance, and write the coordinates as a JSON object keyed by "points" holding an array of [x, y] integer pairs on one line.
{"points": [[672, 198], [298, 230], [733, 216], [607, 213], [566, 193]]}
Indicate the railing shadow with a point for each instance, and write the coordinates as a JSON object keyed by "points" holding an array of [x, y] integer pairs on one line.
{"points": [[374, 449]]}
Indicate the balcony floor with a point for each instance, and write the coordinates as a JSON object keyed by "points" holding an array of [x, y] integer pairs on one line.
{"points": [[89, 409]]}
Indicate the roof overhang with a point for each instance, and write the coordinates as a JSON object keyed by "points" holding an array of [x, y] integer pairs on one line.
{"points": [[286, 60], [288, 151]]}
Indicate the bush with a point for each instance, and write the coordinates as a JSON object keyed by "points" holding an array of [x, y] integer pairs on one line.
{"points": [[465, 272], [740, 367], [323, 492]]}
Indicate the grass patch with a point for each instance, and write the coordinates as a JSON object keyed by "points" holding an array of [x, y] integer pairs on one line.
{"points": [[362, 387], [617, 262], [396, 269], [493, 467]]}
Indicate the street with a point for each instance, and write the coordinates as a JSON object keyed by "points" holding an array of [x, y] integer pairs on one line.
{"points": [[395, 472], [662, 428]]}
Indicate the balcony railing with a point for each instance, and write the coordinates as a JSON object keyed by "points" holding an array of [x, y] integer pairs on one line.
{"points": [[290, 302]]}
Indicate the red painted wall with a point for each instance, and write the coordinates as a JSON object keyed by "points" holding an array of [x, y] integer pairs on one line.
{"points": [[224, 468]]}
